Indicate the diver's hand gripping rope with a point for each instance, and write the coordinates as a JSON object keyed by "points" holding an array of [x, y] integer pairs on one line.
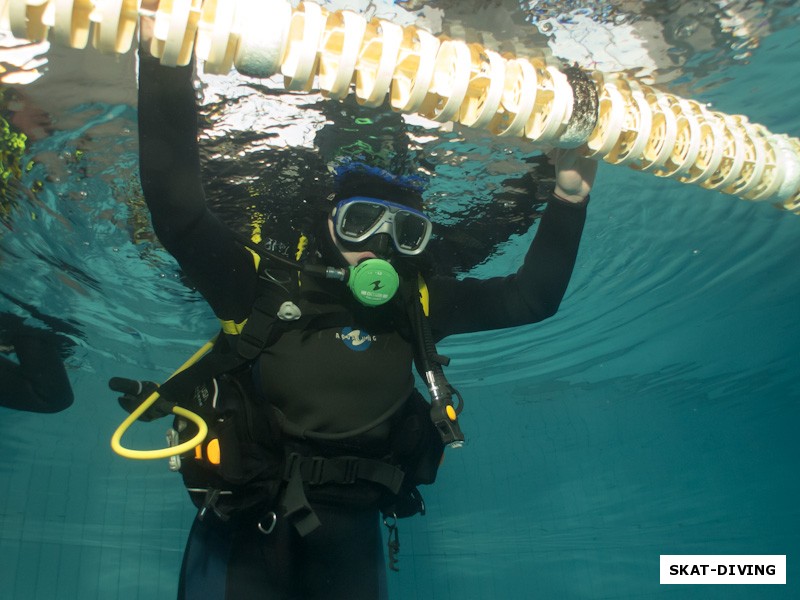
{"points": [[202, 432], [611, 118]]}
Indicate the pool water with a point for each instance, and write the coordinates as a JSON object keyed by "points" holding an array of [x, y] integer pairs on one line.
{"points": [[656, 413]]}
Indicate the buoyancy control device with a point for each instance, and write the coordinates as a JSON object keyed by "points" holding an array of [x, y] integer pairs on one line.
{"points": [[248, 462]]}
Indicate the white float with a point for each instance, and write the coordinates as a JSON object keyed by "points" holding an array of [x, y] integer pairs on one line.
{"points": [[445, 80]]}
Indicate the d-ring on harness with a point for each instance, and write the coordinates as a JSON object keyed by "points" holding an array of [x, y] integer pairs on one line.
{"points": [[271, 518]]}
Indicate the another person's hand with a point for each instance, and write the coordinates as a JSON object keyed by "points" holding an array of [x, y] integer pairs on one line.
{"points": [[146, 24], [574, 174]]}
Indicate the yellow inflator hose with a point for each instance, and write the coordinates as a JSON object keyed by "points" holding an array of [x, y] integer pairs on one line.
{"points": [[117, 446]]}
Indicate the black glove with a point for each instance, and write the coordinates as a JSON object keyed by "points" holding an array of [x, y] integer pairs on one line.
{"points": [[135, 392]]}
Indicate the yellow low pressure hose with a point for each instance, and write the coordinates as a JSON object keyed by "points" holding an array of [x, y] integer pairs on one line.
{"points": [[117, 446]]}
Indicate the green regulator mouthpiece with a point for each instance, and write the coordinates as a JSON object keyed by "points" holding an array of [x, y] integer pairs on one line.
{"points": [[373, 282]]}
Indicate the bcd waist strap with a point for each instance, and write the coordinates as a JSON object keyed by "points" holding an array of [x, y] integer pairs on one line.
{"points": [[319, 470]]}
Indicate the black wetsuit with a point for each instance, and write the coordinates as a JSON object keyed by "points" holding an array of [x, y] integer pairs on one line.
{"points": [[330, 378], [38, 382]]}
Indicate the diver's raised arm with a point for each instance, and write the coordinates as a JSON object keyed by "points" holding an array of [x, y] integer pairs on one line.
{"points": [[172, 182], [169, 160], [535, 291]]}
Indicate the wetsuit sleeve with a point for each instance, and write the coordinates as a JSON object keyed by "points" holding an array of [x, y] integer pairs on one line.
{"points": [[169, 163], [532, 294]]}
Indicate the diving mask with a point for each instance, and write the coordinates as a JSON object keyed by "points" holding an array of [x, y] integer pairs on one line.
{"points": [[359, 218]]}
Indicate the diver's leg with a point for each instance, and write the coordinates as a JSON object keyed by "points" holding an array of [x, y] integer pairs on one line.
{"points": [[205, 560], [343, 558], [264, 566]]}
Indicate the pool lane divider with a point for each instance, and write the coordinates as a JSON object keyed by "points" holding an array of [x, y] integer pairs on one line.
{"points": [[609, 117]]}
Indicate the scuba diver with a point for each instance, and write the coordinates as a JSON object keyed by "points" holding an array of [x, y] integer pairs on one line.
{"points": [[38, 381], [328, 432]]}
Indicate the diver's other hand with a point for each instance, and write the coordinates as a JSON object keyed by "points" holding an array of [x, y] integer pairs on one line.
{"points": [[574, 174], [135, 392], [146, 24]]}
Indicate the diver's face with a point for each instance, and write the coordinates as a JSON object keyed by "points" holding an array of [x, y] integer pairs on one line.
{"points": [[353, 257]]}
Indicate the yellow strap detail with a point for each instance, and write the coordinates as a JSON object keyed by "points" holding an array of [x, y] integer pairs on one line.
{"points": [[424, 297], [301, 247], [231, 327], [256, 258], [256, 223]]}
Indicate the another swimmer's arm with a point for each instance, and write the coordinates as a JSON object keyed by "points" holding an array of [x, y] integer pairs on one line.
{"points": [[39, 383]]}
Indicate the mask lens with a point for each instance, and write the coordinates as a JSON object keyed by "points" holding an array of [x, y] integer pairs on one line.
{"points": [[410, 230], [360, 218]]}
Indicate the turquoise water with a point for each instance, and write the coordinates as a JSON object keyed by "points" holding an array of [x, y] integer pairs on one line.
{"points": [[656, 413]]}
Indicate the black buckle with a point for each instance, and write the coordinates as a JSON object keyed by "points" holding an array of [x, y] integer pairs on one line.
{"points": [[350, 470], [317, 470], [291, 459]]}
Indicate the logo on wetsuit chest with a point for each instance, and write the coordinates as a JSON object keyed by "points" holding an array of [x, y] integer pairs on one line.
{"points": [[355, 339]]}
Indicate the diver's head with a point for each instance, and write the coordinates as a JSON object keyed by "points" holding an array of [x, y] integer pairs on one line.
{"points": [[377, 215]]}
